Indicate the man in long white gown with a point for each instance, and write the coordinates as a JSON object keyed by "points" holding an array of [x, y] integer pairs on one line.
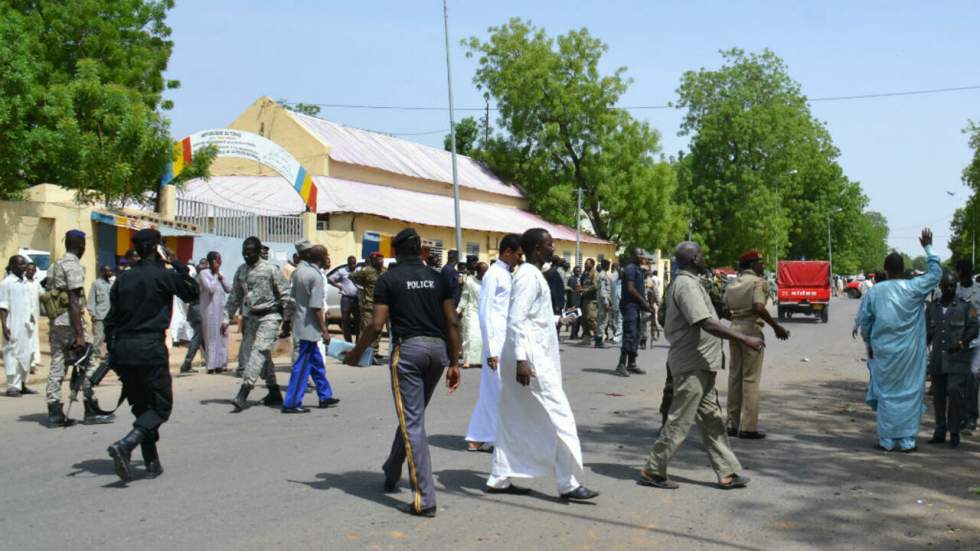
{"points": [[536, 432], [493, 304]]}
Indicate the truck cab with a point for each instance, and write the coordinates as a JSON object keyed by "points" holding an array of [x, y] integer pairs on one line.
{"points": [[804, 288]]}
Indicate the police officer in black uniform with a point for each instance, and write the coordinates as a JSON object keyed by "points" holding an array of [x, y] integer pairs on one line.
{"points": [[141, 307], [425, 342]]}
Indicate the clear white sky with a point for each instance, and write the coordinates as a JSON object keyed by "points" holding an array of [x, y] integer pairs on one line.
{"points": [[906, 151]]}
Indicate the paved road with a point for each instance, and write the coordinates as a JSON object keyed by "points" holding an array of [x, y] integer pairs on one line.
{"points": [[260, 479]]}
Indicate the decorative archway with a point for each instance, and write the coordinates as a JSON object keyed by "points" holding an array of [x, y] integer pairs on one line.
{"points": [[245, 145]]}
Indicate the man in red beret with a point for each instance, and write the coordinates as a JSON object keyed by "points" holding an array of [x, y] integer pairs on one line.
{"points": [[746, 298]]}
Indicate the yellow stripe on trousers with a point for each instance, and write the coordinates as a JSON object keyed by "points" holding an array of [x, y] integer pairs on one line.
{"points": [[400, 410]]}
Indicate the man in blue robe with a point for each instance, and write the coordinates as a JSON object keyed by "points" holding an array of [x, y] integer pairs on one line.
{"points": [[892, 323]]}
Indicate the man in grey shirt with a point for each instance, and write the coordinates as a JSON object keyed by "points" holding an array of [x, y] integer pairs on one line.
{"points": [[98, 309], [695, 356], [308, 291]]}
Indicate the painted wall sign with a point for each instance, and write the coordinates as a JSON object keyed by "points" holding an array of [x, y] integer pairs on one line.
{"points": [[245, 145]]}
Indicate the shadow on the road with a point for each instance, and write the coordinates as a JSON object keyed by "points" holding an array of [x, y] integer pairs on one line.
{"points": [[99, 467], [452, 442], [39, 418], [820, 442], [212, 401], [363, 484]]}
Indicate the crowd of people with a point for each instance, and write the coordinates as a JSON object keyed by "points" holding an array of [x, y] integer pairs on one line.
{"points": [[506, 317]]}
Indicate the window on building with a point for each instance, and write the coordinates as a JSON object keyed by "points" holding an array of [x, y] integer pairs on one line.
{"points": [[472, 249], [567, 255], [599, 258], [435, 248]]}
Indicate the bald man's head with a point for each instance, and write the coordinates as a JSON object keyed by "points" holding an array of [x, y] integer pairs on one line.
{"points": [[689, 256]]}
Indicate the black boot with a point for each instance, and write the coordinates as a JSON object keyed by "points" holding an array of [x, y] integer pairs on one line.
{"points": [[151, 460], [939, 436], [121, 451], [631, 366], [273, 398], [186, 368], [643, 344], [598, 342], [94, 415], [56, 416], [241, 400], [621, 366]]}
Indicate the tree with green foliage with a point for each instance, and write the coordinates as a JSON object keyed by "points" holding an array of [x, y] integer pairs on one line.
{"points": [[87, 91], [560, 132], [967, 218], [762, 172], [310, 109], [467, 137]]}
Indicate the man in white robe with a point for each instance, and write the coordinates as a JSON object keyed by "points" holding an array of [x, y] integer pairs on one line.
{"points": [[493, 304], [536, 432], [29, 275], [17, 317], [214, 294]]}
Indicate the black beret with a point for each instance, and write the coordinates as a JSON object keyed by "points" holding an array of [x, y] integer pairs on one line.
{"points": [[403, 236]]}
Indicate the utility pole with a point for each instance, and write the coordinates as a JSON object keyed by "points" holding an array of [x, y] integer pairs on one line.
{"points": [[452, 131], [486, 124], [578, 231], [830, 253]]}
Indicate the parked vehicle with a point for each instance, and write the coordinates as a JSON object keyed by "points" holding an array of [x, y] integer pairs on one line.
{"points": [[804, 288]]}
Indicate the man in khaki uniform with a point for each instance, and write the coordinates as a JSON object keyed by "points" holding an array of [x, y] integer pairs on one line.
{"points": [[746, 299], [262, 294], [67, 332], [694, 332], [589, 288], [366, 279]]}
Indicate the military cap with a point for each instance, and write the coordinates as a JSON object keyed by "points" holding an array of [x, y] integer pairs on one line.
{"points": [[303, 245], [376, 254], [75, 233], [750, 256]]}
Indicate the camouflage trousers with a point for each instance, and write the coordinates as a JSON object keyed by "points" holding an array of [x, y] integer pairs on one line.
{"points": [[259, 335], [61, 339], [590, 314], [367, 318]]}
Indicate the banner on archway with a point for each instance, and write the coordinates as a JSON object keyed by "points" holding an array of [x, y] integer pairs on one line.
{"points": [[245, 145]]}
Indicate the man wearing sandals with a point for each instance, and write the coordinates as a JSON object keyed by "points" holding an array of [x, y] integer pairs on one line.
{"points": [[695, 356]]}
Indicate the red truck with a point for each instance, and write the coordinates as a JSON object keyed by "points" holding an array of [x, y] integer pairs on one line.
{"points": [[804, 288]]}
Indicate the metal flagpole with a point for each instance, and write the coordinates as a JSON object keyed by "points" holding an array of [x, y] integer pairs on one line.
{"points": [[578, 232], [452, 133]]}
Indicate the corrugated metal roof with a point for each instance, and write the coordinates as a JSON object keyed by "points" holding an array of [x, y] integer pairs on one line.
{"points": [[271, 195], [363, 148]]}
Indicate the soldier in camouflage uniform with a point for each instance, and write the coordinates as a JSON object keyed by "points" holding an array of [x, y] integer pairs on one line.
{"points": [[589, 287], [366, 278], [67, 332], [262, 294]]}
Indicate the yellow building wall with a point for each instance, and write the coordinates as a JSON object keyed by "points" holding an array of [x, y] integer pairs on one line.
{"points": [[267, 118], [339, 244], [42, 226], [488, 241]]}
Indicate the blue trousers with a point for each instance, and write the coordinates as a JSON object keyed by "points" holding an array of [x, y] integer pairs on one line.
{"points": [[309, 363], [631, 327]]}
